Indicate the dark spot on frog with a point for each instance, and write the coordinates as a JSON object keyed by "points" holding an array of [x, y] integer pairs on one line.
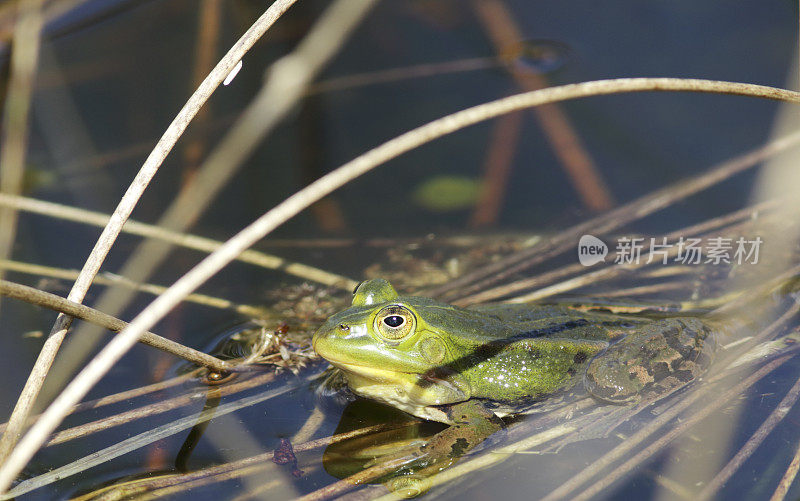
{"points": [[660, 370], [580, 357], [684, 376], [459, 447], [603, 392]]}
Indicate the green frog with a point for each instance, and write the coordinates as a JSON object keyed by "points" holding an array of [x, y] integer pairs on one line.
{"points": [[469, 367]]}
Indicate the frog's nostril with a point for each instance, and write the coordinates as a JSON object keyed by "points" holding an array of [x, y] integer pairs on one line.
{"points": [[343, 327]]}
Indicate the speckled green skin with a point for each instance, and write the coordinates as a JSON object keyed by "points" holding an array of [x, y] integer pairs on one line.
{"points": [[509, 354]]}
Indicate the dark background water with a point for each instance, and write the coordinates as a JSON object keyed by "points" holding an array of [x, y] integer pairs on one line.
{"points": [[113, 75]]}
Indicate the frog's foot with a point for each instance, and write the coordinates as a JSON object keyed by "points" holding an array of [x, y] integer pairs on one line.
{"points": [[472, 424], [659, 358]]}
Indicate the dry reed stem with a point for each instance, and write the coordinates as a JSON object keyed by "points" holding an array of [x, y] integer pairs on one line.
{"points": [[788, 478], [394, 75], [140, 440], [115, 349], [616, 218], [593, 277], [112, 279], [16, 113], [233, 466], [77, 310], [145, 411], [189, 241], [107, 238]]}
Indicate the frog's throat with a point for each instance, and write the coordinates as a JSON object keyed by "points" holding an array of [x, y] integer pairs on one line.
{"points": [[412, 393]]}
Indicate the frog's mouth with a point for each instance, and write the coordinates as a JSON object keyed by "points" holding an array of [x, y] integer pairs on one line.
{"points": [[374, 374]]}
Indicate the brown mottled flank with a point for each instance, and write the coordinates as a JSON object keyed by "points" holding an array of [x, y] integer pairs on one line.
{"points": [[668, 354]]}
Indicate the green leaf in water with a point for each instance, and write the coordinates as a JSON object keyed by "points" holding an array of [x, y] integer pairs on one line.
{"points": [[447, 193]]}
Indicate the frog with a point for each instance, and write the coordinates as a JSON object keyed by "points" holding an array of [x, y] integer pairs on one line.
{"points": [[471, 367]]}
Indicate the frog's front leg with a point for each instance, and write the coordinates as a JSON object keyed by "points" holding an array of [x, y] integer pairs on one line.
{"points": [[657, 358], [472, 424]]}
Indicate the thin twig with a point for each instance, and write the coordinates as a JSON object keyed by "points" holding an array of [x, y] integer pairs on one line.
{"points": [[315, 191], [107, 238], [77, 310], [393, 75]]}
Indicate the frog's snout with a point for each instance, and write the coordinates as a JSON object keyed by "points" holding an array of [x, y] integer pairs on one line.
{"points": [[327, 335]]}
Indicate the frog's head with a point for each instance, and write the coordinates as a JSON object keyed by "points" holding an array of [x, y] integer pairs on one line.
{"points": [[393, 348]]}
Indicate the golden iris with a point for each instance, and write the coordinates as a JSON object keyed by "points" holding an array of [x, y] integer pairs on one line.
{"points": [[395, 322]]}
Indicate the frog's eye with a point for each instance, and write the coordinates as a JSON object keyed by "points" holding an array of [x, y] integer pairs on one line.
{"points": [[395, 322]]}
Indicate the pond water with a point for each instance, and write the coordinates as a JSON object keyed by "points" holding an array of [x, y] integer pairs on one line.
{"points": [[113, 74]]}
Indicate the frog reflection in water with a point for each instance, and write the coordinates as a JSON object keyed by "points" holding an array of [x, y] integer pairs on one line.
{"points": [[470, 367]]}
